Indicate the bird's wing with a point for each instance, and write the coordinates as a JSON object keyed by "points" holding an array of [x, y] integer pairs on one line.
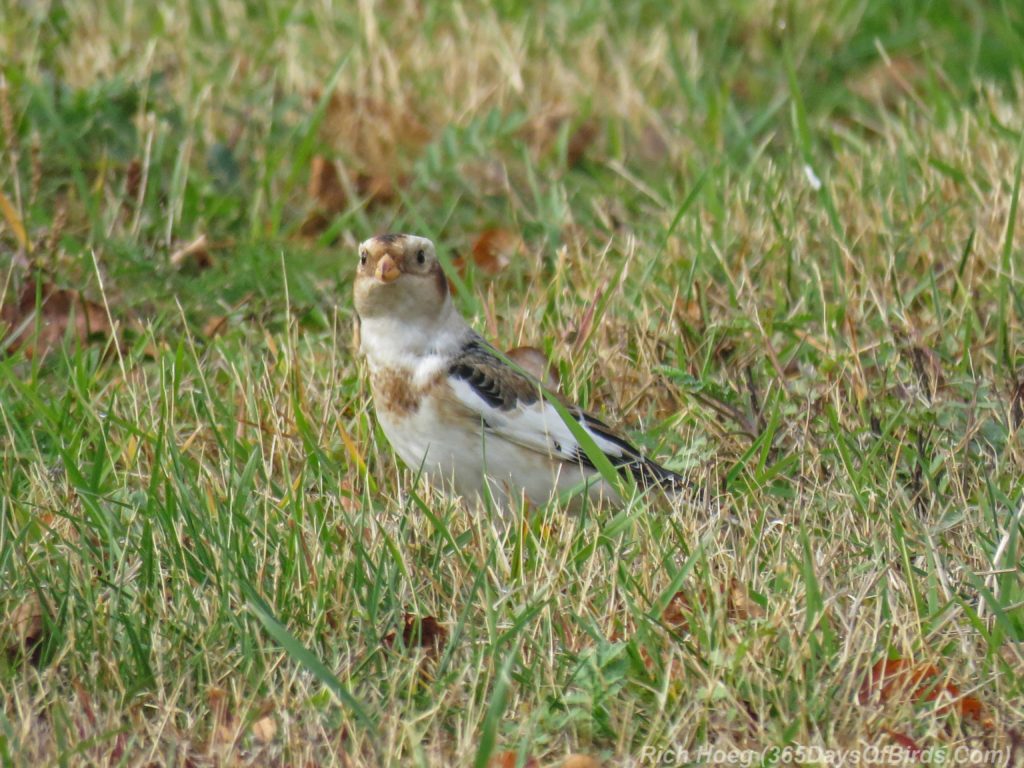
{"points": [[511, 405]]}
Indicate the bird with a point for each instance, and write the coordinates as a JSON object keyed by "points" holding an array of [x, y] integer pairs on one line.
{"points": [[459, 411]]}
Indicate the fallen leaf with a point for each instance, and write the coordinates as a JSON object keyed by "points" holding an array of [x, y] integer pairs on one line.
{"points": [[194, 255], [494, 249], [264, 729], [215, 326], [223, 730], [912, 747], [903, 679], [372, 141], [132, 184], [24, 625], [675, 612], [739, 604], [58, 310], [689, 312], [509, 759], [325, 186], [330, 197], [427, 633], [581, 761], [580, 142], [535, 363]]}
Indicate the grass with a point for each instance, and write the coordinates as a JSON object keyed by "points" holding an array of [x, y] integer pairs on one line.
{"points": [[781, 244]]}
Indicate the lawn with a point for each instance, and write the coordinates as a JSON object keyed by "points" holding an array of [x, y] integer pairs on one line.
{"points": [[778, 243]]}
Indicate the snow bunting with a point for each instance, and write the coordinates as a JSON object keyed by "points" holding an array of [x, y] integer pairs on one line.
{"points": [[451, 404]]}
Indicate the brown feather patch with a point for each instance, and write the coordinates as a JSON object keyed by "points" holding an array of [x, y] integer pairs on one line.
{"points": [[393, 391]]}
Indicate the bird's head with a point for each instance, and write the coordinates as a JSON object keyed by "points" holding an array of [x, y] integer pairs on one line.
{"points": [[399, 276]]}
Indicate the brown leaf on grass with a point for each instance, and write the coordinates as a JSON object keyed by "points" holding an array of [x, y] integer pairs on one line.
{"points": [[535, 363], [325, 186], [689, 312], [330, 196], [675, 613], [264, 729], [739, 603], [580, 142], [215, 326], [194, 256], [494, 249], [24, 626], [59, 310], [581, 761], [510, 759], [427, 633], [905, 680], [371, 141], [223, 730], [913, 748]]}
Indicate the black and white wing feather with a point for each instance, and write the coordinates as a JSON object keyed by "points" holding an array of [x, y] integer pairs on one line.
{"points": [[511, 405]]}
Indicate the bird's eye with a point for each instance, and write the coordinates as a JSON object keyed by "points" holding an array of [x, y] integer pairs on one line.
{"points": [[420, 256], [362, 258]]}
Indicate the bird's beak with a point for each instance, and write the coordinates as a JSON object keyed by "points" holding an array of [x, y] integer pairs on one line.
{"points": [[387, 270]]}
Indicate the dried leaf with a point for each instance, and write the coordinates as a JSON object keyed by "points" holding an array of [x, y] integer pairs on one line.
{"points": [[674, 615], [535, 363], [215, 326], [325, 186], [581, 761], [739, 604], [509, 759], [330, 197], [580, 142], [427, 633], [194, 255], [494, 249], [688, 312], [223, 730], [265, 729], [903, 679], [58, 310], [374, 140], [24, 625], [913, 748]]}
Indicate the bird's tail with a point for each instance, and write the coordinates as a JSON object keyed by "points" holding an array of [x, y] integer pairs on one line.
{"points": [[649, 474]]}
